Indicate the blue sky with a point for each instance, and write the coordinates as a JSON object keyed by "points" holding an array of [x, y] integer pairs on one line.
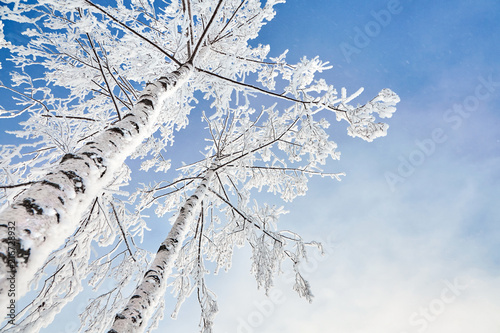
{"points": [[412, 231], [397, 248], [399, 245]]}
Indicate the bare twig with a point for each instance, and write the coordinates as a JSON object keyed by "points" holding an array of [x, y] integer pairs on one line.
{"points": [[123, 232], [216, 39], [245, 218], [258, 148], [205, 31], [24, 95], [270, 93], [17, 185], [98, 59], [171, 57]]}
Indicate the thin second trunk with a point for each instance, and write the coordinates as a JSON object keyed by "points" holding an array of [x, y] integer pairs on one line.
{"points": [[136, 313]]}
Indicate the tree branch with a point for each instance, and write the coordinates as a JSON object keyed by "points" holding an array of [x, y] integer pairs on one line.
{"points": [[171, 57], [205, 31], [24, 95], [98, 59], [270, 93], [245, 218], [123, 232], [258, 148], [216, 39], [16, 185]]}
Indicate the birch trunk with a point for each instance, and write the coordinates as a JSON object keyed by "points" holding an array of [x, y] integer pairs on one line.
{"points": [[136, 313], [46, 213]]}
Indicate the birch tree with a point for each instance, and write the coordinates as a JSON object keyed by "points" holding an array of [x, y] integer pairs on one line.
{"points": [[62, 187]]}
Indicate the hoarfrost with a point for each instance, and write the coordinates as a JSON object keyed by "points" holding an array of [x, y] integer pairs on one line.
{"points": [[92, 52]]}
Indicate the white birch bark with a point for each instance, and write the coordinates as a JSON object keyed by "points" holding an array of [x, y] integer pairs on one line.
{"points": [[41, 217], [135, 315]]}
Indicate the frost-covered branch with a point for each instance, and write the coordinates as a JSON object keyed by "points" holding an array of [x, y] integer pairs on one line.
{"points": [[78, 145], [133, 318], [98, 59], [41, 217], [171, 57], [205, 31]]}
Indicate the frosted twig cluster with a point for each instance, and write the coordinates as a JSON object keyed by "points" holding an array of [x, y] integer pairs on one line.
{"points": [[117, 83]]}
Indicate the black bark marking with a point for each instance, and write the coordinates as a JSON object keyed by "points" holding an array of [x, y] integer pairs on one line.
{"points": [[116, 130], [151, 271], [114, 144], [70, 156], [96, 148], [3, 257], [165, 81], [28, 231], [77, 180], [135, 296], [162, 248], [58, 217], [146, 101], [146, 115], [97, 161], [31, 207], [152, 276], [61, 199], [128, 115], [135, 125], [14, 245], [94, 157], [22, 253], [120, 316], [54, 185]]}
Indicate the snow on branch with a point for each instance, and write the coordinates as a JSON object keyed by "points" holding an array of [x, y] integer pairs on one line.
{"points": [[118, 82]]}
